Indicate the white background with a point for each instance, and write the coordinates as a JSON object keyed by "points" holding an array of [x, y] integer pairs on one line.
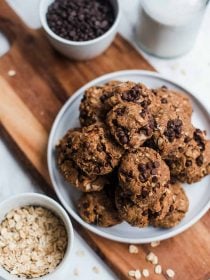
{"points": [[192, 70]]}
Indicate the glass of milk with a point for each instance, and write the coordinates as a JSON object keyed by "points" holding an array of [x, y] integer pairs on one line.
{"points": [[168, 28]]}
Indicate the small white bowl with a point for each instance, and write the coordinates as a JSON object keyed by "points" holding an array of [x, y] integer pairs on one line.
{"points": [[80, 50], [24, 199]]}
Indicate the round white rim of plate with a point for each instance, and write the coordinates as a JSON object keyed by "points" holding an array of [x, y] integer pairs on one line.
{"points": [[120, 75]]}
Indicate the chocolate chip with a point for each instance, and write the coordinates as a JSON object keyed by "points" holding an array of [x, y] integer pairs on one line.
{"points": [[173, 180], [145, 213], [85, 205], [80, 20], [199, 139], [187, 139], [144, 193], [171, 209], [164, 100], [188, 163], [123, 139], [97, 169], [120, 111], [149, 165], [174, 129], [164, 87], [143, 113], [199, 160], [153, 172], [154, 179], [100, 148], [156, 164], [132, 95]]}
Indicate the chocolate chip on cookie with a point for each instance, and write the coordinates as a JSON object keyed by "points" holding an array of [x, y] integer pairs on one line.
{"points": [[71, 172], [132, 93], [130, 125], [192, 163], [99, 208], [173, 100], [139, 212], [142, 170], [94, 150], [92, 107], [171, 131], [177, 209]]}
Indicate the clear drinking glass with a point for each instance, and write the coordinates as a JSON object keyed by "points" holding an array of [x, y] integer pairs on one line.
{"points": [[168, 28]]}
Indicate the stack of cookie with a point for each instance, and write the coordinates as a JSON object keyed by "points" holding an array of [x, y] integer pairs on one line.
{"points": [[134, 148]]}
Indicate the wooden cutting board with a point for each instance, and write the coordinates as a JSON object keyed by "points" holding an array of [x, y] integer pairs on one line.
{"points": [[29, 102]]}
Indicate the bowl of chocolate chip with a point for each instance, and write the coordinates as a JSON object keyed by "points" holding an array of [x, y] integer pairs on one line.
{"points": [[80, 29]]}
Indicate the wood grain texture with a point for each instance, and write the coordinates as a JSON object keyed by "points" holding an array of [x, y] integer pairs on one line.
{"points": [[29, 103]]}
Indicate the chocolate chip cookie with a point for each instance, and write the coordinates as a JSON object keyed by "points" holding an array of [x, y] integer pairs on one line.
{"points": [[92, 109], [130, 124], [141, 211], [71, 172], [177, 210], [193, 162], [170, 131], [142, 171], [99, 208], [132, 93], [173, 100], [94, 150]]}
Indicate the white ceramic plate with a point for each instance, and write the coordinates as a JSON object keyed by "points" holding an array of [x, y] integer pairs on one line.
{"points": [[68, 117]]}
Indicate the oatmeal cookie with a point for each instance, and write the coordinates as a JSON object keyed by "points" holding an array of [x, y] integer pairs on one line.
{"points": [[99, 208], [71, 172], [130, 92], [177, 210], [170, 131], [130, 125], [94, 150], [175, 101], [142, 170], [141, 211], [92, 108], [193, 162]]}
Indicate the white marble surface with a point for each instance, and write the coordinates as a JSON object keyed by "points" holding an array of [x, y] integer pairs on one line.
{"points": [[192, 70]]}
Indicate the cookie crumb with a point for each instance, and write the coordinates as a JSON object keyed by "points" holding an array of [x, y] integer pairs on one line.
{"points": [[155, 243], [145, 272], [133, 249], [137, 274], [96, 269], [170, 273], [76, 272], [158, 269], [11, 73]]}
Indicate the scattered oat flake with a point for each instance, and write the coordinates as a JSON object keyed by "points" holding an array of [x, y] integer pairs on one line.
{"points": [[11, 73], [155, 260], [155, 243], [131, 273], [96, 269], [76, 272], [150, 257], [170, 273], [137, 274], [158, 269], [133, 249], [145, 272], [183, 72], [80, 253]]}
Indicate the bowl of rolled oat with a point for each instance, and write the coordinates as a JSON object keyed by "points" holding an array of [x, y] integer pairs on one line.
{"points": [[36, 237]]}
